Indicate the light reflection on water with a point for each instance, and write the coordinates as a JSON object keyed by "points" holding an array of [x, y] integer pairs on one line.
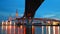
{"points": [[11, 30], [35, 30], [17, 30]]}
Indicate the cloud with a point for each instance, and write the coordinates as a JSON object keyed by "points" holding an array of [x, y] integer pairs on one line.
{"points": [[49, 15], [21, 15]]}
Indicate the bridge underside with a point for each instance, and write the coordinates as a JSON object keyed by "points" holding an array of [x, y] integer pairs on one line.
{"points": [[30, 8]]}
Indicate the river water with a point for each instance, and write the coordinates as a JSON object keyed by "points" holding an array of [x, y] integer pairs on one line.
{"points": [[20, 30], [35, 30]]}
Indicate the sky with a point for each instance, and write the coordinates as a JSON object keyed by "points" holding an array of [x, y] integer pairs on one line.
{"points": [[48, 9]]}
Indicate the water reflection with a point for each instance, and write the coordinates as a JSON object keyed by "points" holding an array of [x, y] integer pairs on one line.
{"points": [[15, 30], [35, 29], [11, 30]]}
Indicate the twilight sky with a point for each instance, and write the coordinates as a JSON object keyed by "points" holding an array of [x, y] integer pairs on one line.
{"points": [[48, 9]]}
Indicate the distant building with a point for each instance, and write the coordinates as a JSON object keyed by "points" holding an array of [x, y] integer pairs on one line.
{"points": [[16, 13]]}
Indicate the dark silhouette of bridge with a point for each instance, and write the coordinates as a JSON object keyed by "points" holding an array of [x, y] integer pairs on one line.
{"points": [[30, 9]]}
